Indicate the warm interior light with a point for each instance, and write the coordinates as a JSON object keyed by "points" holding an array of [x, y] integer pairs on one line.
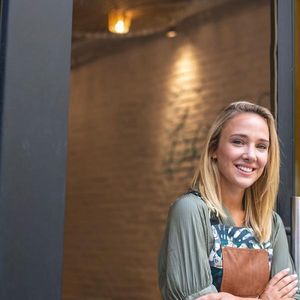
{"points": [[119, 21], [171, 33]]}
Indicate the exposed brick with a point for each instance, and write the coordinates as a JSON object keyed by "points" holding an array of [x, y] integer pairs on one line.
{"points": [[136, 126]]}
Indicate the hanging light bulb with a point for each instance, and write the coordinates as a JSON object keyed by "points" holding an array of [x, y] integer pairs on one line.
{"points": [[119, 21]]}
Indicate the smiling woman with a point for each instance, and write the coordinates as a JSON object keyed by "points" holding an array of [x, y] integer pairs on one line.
{"points": [[225, 226], [241, 157]]}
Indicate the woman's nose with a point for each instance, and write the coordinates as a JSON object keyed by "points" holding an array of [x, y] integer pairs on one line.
{"points": [[249, 154]]}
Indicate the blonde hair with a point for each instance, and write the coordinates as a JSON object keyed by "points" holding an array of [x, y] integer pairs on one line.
{"points": [[259, 199]]}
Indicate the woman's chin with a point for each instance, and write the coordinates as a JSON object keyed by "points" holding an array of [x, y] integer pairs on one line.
{"points": [[244, 184]]}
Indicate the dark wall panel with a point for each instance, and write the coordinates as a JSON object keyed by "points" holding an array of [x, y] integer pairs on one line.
{"points": [[285, 110], [34, 79]]}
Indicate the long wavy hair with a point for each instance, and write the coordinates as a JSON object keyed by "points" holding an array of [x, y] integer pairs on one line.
{"points": [[260, 197]]}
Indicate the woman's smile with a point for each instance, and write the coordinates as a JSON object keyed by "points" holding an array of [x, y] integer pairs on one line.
{"points": [[242, 152], [245, 170]]}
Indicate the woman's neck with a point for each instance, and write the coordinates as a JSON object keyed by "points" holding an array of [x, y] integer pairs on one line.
{"points": [[233, 202], [232, 198]]}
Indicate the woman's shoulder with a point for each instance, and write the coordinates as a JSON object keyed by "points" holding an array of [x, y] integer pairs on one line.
{"points": [[277, 227], [276, 220], [189, 203]]}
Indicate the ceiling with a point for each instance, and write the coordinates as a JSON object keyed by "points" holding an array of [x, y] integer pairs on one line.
{"points": [[90, 21], [148, 16]]}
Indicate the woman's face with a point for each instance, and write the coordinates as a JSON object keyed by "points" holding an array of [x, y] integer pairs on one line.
{"points": [[242, 151]]}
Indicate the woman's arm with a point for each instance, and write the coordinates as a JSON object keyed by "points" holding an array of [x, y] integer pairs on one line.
{"points": [[281, 286], [184, 271], [281, 256]]}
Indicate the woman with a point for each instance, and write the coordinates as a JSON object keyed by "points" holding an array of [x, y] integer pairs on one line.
{"points": [[223, 240]]}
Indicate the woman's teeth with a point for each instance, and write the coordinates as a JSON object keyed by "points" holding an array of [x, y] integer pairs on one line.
{"points": [[245, 169]]}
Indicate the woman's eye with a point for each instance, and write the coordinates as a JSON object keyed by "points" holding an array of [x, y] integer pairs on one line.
{"points": [[262, 146], [238, 142]]}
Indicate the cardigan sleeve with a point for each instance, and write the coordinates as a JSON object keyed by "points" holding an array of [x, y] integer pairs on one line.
{"points": [[183, 266], [281, 256]]}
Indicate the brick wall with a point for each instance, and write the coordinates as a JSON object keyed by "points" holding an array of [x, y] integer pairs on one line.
{"points": [[136, 125]]}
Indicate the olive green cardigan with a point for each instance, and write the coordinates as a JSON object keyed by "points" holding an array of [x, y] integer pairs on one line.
{"points": [[183, 267]]}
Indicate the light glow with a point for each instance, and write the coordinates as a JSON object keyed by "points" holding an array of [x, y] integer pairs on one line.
{"points": [[119, 21], [171, 34], [185, 70]]}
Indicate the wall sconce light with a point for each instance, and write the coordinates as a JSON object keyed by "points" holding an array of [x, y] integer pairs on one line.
{"points": [[119, 21], [171, 33]]}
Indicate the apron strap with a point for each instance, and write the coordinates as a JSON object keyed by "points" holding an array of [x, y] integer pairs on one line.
{"points": [[214, 220]]}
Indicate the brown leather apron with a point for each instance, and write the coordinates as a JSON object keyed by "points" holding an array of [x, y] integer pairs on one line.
{"points": [[245, 271]]}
